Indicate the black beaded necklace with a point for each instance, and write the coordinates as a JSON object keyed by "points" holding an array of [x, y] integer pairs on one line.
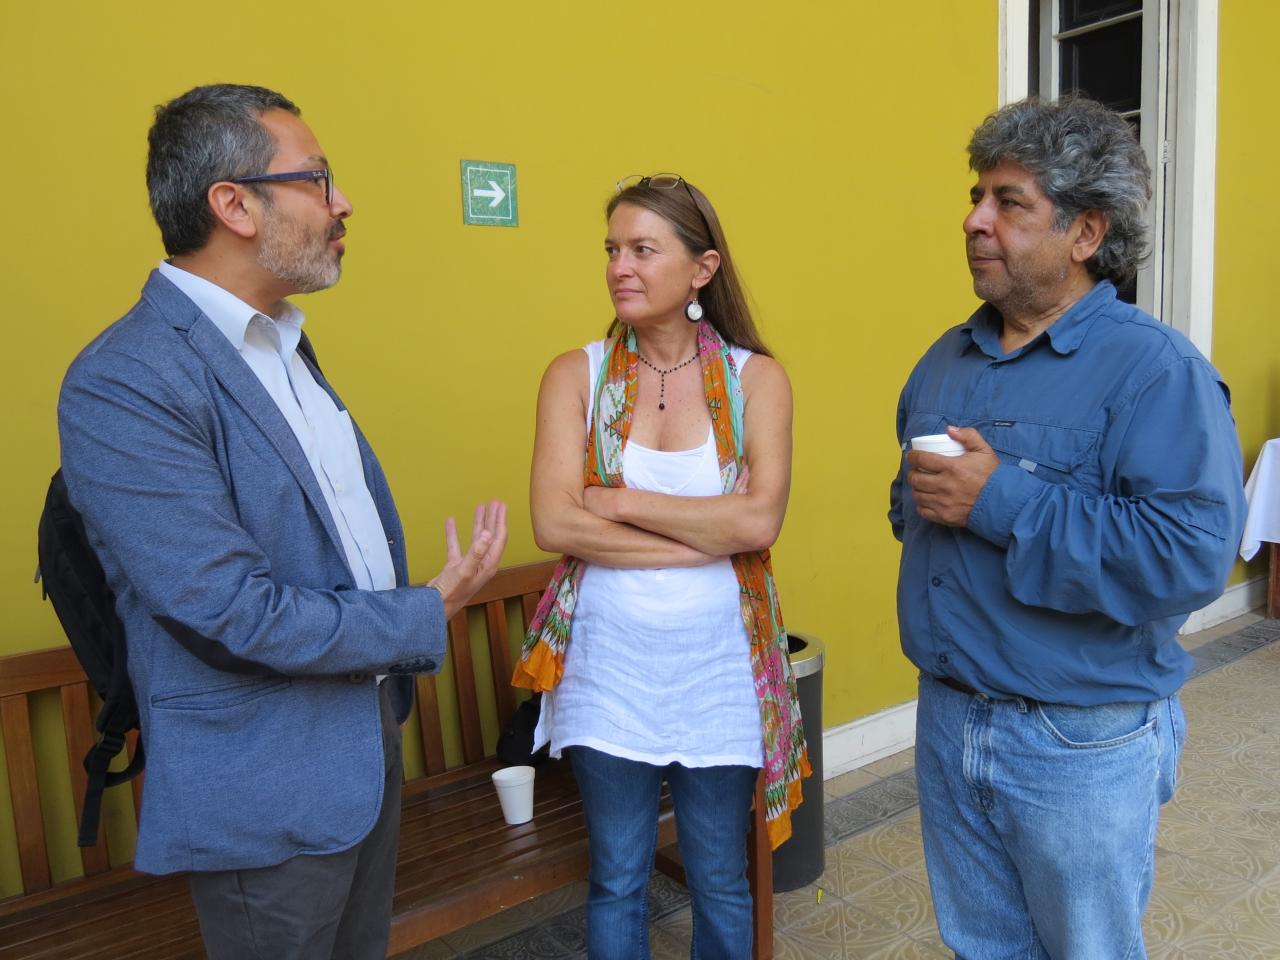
{"points": [[662, 375]]}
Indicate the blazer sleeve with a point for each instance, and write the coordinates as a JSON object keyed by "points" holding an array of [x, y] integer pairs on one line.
{"points": [[143, 471]]}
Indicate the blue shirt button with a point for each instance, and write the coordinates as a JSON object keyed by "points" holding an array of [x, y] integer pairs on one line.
{"points": [[937, 581], [943, 658]]}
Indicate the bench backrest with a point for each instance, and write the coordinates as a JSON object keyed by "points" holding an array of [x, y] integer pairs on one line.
{"points": [[517, 588], [25, 677]]}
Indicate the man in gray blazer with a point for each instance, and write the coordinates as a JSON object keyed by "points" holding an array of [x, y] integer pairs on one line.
{"points": [[253, 546]]}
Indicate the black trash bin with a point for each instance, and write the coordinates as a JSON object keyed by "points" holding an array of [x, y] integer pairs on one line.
{"points": [[802, 858]]}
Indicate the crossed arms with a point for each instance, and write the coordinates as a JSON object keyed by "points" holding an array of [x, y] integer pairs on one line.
{"points": [[627, 528]]}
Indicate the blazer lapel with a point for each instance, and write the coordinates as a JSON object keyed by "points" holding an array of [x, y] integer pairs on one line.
{"points": [[240, 383]]}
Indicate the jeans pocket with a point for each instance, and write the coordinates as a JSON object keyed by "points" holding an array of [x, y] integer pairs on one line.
{"points": [[1093, 728], [1173, 731]]}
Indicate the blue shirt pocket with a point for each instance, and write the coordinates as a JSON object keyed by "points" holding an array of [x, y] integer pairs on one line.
{"points": [[1055, 454], [922, 425]]}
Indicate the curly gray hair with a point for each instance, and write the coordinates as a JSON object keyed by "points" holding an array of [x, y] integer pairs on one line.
{"points": [[1084, 156]]}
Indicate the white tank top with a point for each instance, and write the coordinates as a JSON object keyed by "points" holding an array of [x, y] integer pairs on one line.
{"points": [[658, 667]]}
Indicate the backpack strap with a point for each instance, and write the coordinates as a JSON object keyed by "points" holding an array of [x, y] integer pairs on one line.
{"points": [[119, 715], [96, 763]]}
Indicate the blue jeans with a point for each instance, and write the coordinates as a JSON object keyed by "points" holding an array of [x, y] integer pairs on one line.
{"points": [[1039, 821], [713, 813]]}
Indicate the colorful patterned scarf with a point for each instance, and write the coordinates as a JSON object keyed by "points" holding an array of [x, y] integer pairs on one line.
{"points": [[541, 663]]}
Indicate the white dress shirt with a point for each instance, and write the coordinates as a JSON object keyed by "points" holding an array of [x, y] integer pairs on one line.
{"points": [[325, 433]]}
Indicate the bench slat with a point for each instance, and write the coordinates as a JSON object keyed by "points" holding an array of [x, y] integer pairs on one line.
{"points": [[429, 725], [495, 621], [68, 895], [20, 759], [459, 906], [530, 604], [39, 670], [515, 581], [135, 917], [464, 683], [77, 727]]}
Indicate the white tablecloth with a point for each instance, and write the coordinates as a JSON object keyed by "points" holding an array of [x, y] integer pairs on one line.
{"points": [[1262, 525]]}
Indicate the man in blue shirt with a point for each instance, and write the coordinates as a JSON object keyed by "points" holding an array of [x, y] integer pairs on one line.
{"points": [[1046, 570]]}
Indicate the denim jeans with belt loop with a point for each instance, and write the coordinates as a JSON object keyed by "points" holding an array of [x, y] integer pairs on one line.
{"points": [[1039, 821]]}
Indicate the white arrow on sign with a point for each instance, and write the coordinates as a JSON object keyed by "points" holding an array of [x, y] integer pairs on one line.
{"points": [[497, 194]]}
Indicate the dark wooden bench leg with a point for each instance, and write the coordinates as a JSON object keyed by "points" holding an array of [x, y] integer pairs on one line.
{"points": [[760, 875]]}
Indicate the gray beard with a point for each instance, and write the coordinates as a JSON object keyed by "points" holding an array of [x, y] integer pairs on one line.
{"points": [[289, 254], [1025, 295]]}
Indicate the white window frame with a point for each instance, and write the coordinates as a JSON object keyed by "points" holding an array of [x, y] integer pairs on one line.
{"points": [[1179, 88]]}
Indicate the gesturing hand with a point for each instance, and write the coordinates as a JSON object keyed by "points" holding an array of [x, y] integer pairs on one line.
{"points": [[946, 488], [464, 574]]}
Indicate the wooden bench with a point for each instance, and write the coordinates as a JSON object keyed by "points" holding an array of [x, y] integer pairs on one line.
{"points": [[459, 862]]}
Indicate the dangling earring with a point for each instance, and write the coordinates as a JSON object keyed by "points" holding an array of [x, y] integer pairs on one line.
{"points": [[693, 311]]}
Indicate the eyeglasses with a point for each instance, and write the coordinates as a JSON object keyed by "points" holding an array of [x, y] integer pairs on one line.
{"points": [[665, 181], [325, 174], [656, 181]]}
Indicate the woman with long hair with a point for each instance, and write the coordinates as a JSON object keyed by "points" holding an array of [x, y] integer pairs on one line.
{"points": [[660, 640]]}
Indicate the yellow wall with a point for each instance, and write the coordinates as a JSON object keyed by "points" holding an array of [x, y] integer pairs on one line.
{"points": [[1246, 319], [830, 136]]}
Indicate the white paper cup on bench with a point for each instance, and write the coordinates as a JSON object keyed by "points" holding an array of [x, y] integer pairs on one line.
{"points": [[938, 443], [515, 793]]}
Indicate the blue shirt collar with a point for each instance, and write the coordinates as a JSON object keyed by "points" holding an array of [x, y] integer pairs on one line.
{"points": [[1065, 335]]}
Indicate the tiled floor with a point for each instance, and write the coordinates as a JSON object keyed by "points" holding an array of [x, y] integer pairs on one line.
{"points": [[1217, 892]]}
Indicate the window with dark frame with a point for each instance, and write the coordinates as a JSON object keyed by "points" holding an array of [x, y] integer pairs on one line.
{"points": [[1099, 56]]}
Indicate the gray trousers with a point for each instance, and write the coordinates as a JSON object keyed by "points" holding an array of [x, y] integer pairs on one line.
{"points": [[335, 905]]}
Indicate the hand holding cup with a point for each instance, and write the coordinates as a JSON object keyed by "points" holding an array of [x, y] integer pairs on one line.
{"points": [[946, 481]]}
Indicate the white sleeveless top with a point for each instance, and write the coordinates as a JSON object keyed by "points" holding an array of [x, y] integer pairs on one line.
{"points": [[658, 667]]}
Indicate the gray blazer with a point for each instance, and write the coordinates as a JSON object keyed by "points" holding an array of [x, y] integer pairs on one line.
{"points": [[252, 655]]}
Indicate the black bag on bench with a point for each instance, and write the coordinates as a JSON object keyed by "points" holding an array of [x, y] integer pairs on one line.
{"points": [[515, 743]]}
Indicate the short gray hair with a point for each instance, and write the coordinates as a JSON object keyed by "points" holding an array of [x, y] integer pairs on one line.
{"points": [[208, 134], [1084, 156]]}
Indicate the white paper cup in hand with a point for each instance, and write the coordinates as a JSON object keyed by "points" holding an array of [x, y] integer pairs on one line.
{"points": [[938, 443], [515, 793]]}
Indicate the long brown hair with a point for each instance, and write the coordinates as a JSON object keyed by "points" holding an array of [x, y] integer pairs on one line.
{"points": [[694, 220]]}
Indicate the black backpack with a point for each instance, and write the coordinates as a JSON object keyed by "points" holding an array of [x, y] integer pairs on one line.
{"points": [[72, 580], [515, 742]]}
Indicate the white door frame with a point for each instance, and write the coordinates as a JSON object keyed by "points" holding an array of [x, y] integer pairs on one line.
{"points": [[1185, 219]]}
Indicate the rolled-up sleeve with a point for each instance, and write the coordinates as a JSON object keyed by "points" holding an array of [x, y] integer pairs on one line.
{"points": [[1162, 540]]}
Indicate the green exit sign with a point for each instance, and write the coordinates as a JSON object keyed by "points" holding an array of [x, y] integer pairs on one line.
{"points": [[489, 194]]}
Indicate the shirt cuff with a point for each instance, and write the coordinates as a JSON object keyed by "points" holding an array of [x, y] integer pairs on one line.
{"points": [[1007, 491]]}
